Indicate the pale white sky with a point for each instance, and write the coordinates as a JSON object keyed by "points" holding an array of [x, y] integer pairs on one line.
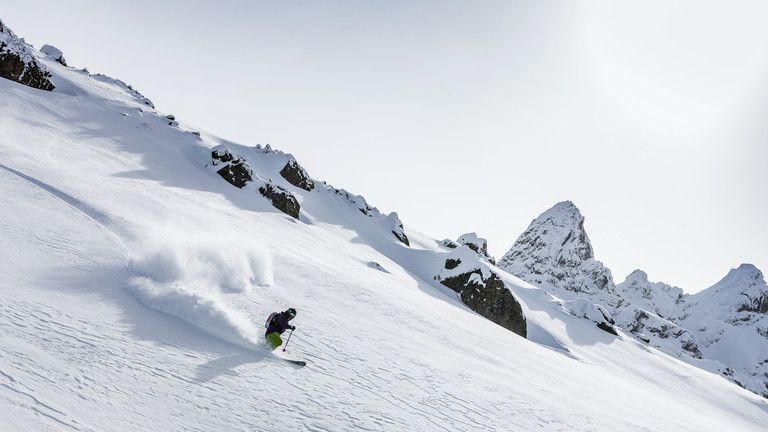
{"points": [[475, 116]]}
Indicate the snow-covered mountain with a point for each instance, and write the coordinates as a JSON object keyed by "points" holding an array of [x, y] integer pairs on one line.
{"points": [[555, 250], [721, 329], [140, 257]]}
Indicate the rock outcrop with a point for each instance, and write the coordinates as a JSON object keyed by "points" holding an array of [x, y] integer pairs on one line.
{"points": [[18, 63], [234, 170], [482, 290], [281, 199], [296, 175]]}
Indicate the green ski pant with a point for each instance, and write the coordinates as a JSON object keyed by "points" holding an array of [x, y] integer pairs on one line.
{"points": [[274, 340]]}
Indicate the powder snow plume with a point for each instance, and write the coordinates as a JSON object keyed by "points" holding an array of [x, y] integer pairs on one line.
{"points": [[186, 277]]}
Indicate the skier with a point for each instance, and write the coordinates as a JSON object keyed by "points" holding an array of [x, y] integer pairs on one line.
{"points": [[277, 323]]}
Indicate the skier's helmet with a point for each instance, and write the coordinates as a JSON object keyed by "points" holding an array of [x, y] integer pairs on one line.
{"points": [[291, 312]]}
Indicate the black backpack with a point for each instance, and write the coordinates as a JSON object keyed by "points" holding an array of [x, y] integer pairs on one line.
{"points": [[269, 319]]}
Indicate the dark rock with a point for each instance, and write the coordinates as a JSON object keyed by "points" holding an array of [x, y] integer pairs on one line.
{"points": [[451, 264], [608, 328], [281, 199], [488, 297], [221, 154], [402, 237], [450, 244], [236, 173], [297, 176]]}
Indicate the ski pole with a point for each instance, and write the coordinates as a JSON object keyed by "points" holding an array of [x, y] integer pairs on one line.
{"points": [[288, 340]]}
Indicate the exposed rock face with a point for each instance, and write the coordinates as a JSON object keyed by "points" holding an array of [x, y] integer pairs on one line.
{"points": [[555, 250], [297, 176], [54, 54], [18, 63], [482, 290], [281, 199], [235, 170]]}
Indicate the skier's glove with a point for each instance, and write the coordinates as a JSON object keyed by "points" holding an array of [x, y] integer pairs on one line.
{"points": [[293, 328]]}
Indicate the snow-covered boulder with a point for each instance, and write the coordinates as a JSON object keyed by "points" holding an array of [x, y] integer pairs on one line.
{"points": [[18, 62], [596, 313], [296, 175], [481, 289], [54, 54], [555, 251], [662, 299]]}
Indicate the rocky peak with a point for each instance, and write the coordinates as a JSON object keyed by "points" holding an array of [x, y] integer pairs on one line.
{"points": [[556, 250]]}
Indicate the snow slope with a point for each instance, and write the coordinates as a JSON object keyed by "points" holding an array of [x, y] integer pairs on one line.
{"points": [[136, 282]]}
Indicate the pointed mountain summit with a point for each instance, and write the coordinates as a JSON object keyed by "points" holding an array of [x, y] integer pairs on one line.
{"points": [[555, 250]]}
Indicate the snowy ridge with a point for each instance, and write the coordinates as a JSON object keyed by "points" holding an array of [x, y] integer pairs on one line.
{"points": [[137, 280]]}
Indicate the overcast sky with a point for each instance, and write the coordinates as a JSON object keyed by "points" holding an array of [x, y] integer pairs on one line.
{"points": [[475, 116]]}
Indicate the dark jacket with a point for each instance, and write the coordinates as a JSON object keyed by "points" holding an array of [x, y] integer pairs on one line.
{"points": [[279, 323]]}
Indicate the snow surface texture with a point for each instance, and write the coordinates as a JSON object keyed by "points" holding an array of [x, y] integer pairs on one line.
{"points": [[723, 329], [136, 282]]}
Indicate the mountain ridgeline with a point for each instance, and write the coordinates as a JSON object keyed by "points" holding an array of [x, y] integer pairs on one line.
{"points": [[703, 329]]}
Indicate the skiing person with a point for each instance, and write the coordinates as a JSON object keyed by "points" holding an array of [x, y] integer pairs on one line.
{"points": [[277, 323]]}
